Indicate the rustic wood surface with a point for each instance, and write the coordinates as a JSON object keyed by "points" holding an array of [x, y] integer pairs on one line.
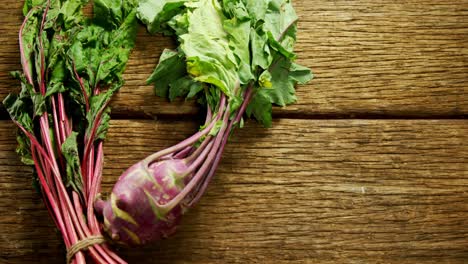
{"points": [[344, 191], [313, 189]]}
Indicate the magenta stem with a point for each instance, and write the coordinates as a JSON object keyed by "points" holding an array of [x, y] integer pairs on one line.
{"points": [[200, 157], [191, 140], [63, 116], [83, 89], [201, 172], [199, 193], [51, 199]]}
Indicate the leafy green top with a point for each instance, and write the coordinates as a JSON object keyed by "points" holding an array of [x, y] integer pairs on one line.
{"points": [[64, 52], [227, 45]]}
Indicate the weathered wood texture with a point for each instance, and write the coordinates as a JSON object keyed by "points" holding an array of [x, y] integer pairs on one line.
{"points": [[385, 58], [328, 192]]}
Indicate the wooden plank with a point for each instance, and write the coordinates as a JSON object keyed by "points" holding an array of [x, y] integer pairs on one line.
{"points": [[306, 191], [399, 58], [389, 58]]}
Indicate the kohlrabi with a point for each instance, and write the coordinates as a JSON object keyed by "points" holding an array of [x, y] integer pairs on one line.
{"points": [[236, 58]]}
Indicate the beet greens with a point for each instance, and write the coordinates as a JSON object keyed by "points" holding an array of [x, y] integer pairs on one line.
{"points": [[71, 67], [235, 57]]}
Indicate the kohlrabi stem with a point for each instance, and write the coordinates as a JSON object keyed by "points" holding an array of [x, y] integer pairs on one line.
{"points": [[183, 153], [201, 172], [93, 224], [201, 157], [191, 140], [196, 154], [204, 184], [209, 115]]}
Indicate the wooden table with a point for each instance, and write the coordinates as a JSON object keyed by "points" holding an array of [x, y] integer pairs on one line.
{"points": [[370, 166]]}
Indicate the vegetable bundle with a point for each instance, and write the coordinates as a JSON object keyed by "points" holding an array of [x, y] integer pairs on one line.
{"points": [[71, 67], [234, 57]]}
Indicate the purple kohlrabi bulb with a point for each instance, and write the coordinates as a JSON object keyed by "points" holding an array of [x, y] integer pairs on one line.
{"points": [[135, 213]]}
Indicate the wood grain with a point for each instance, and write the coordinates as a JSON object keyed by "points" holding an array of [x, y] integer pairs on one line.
{"points": [[306, 191], [379, 58]]}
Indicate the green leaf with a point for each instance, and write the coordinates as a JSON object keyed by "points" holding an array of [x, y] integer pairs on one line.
{"points": [[279, 17], [179, 24], [171, 67], [216, 128], [20, 107], [29, 4], [237, 26], [257, 9], [70, 153], [183, 86], [300, 74], [261, 54], [28, 38], [195, 89], [98, 107], [260, 108], [24, 149], [71, 13], [109, 13], [155, 13], [103, 126], [39, 103], [206, 45], [283, 83], [227, 45]]}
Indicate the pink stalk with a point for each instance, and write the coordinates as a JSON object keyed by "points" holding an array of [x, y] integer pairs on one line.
{"points": [[94, 190], [201, 172], [95, 185], [201, 156], [201, 190], [84, 232], [68, 217], [51, 199], [63, 218], [62, 193], [63, 116], [46, 167], [191, 140], [59, 133], [83, 89], [89, 139], [183, 153], [90, 169]]}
